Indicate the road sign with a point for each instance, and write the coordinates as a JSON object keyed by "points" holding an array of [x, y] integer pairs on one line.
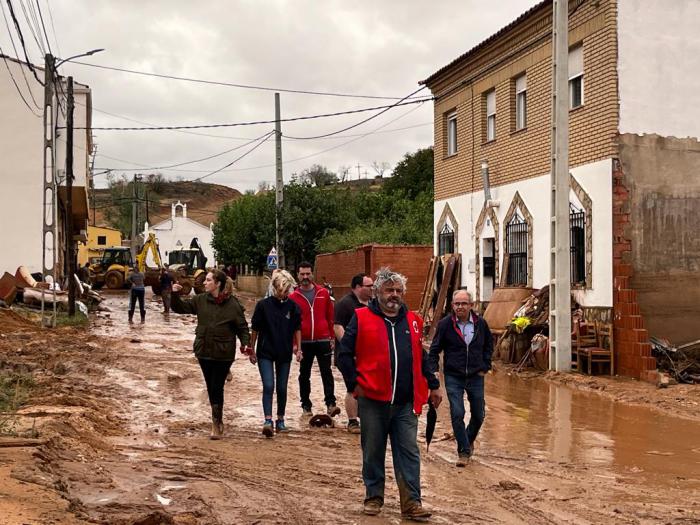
{"points": [[272, 261]]}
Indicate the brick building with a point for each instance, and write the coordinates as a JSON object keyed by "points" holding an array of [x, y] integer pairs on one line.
{"points": [[634, 164]]}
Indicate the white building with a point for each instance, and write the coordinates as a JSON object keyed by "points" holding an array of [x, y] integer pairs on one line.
{"points": [[21, 165], [179, 230]]}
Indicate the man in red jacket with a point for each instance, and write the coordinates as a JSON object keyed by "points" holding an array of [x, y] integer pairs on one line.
{"points": [[382, 358], [316, 338]]}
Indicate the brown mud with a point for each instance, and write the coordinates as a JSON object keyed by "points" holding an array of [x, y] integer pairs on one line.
{"points": [[122, 420]]}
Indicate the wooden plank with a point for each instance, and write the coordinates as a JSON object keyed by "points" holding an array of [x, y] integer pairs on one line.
{"points": [[428, 288], [21, 442], [442, 294]]}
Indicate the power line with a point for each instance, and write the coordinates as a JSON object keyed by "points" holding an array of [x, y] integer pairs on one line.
{"points": [[21, 40], [12, 41], [17, 87], [53, 28], [236, 85], [41, 17], [258, 122], [387, 108], [251, 150], [40, 44]]}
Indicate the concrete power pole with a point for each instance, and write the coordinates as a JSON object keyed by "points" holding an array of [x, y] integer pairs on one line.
{"points": [[70, 243], [560, 276], [50, 194], [279, 182]]}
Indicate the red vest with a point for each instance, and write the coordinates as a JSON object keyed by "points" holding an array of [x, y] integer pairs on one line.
{"points": [[373, 361]]}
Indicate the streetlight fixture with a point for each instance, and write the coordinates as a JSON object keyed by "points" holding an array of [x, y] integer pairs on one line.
{"points": [[91, 52]]}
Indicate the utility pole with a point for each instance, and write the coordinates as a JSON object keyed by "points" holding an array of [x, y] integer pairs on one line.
{"points": [[358, 170], [560, 273], [134, 211], [50, 193], [70, 243], [92, 185], [279, 182]]}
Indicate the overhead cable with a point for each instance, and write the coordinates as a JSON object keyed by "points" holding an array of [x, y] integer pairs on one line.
{"points": [[236, 85], [259, 122], [17, 87], [260, 143], [21, 41]]}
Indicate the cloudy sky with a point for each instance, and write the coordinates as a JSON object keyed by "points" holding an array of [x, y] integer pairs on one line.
{"points": [[369, 48]]}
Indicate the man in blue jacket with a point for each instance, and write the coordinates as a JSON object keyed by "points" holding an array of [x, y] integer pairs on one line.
{"points": [[466, 340]]}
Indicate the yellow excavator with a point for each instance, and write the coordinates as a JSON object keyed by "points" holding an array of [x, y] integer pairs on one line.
{"points": [[113, 269]]}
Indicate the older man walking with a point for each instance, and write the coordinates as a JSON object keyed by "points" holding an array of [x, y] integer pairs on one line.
{"points": [[467, 342], [383, 361]]}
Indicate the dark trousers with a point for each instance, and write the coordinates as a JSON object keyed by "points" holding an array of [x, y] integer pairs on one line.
{"points": [[214, 373], [166, 295], [474, 387], [269, 371], [321, 350], [140, 295], [379, 420]]}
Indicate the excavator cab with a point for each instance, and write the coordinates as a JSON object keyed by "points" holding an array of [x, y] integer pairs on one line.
{"points": [[190, 264], [111, 270]]}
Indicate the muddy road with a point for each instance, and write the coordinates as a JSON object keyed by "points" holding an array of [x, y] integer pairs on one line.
{"points": [[123, 421]]}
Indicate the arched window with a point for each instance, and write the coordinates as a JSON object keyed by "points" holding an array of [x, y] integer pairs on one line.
{"points": [[446, 240], [577, 244], [517, 232]]}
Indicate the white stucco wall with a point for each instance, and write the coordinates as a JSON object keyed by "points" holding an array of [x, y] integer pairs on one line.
{"points": [[21, 165], [595, 179], [183, 229], [659, 67]]}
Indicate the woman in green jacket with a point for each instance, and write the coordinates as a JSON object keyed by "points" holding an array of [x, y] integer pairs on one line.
{"points": [[220, 319]]}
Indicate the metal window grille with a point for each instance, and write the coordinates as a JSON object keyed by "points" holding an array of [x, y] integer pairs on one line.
{"points": [[577, 242], [516, 244], [446, 240]]}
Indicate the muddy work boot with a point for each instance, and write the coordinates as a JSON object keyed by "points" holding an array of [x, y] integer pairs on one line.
{"points": [[131, 318], [333, 410], [268, 430], [143, 318], [354, 426], [413, 510], [373, 506], [217, 422]]}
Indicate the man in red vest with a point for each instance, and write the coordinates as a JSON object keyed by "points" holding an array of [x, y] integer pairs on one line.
{"points": [[382, 359]]}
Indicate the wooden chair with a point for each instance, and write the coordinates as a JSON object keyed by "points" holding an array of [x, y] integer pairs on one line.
{"points": [[602, 352], [585, 337]]}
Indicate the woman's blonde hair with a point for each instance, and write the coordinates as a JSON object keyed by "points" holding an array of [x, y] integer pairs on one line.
{"points": [[282, 281]]}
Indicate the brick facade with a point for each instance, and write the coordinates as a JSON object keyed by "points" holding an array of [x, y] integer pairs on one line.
{"points": [[526, 48], [412, 261]]}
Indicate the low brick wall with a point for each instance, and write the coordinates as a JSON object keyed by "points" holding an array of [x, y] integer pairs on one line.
{"points": [[256, 284], [411, 260]]}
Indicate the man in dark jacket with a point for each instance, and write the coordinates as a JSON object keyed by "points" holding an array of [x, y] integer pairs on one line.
{"points": [[467, 342], [383, 362]]}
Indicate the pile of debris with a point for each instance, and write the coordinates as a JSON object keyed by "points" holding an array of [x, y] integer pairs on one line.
{"points": [[682, 362], [23, 288]]}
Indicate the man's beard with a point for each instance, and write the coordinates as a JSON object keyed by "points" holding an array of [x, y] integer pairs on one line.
{"points": [[306, 281], [391, 305]]}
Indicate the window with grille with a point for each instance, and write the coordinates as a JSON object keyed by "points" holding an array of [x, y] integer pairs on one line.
{"points": [[102, 240], [446, 240], [521, 102], [451, 119], [577, 242], [517, 232], [576, 77], [491, 115]]}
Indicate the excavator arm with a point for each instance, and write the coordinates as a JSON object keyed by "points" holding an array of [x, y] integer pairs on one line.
{"points": [[151, 245]]}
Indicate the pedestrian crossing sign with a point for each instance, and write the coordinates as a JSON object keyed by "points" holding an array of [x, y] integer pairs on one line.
{"points": [[272, 261]]}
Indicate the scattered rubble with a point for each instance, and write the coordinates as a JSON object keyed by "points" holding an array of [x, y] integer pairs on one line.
{"points": [[681, 363]]}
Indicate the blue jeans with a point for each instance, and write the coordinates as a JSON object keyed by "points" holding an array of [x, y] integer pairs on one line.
{"points": [[379, 420], [268, 370], [474, 387]]}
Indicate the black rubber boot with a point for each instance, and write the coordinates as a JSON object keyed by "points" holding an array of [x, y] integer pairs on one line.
{"points": [[217, 421]]}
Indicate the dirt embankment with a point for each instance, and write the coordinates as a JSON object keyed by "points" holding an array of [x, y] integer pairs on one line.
{"points": [[122, 422]]}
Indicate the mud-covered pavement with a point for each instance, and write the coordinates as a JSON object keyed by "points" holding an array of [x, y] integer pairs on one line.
{"points": [[123, 422]]}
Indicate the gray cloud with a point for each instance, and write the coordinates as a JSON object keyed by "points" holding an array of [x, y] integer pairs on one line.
{"points": [[364, 47]]}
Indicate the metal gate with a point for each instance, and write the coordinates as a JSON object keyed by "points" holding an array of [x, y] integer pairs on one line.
{"points": [[516, 245], [577, 243]]}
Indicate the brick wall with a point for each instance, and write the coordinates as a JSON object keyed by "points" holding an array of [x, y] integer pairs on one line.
{"points": [[631, 338], [517, 155], [412, 261]]}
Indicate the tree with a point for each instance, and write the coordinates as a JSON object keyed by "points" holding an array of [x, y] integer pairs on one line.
{"points": [[413, 174], [380, 168], [318, 175]]}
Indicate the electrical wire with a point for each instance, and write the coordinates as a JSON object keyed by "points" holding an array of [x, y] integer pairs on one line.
{"points": [[43, 26], [17, 87], [251, 150], [53, 28], [12, 41], [387, 108], [236, 85], [21, 40], [258, 122], [40, 44]]}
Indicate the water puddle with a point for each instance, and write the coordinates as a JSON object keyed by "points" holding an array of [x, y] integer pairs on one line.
{"points": [[556, 423]]}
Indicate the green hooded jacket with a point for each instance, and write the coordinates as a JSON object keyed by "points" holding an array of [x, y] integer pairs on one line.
{"points": [[218, 324]]}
